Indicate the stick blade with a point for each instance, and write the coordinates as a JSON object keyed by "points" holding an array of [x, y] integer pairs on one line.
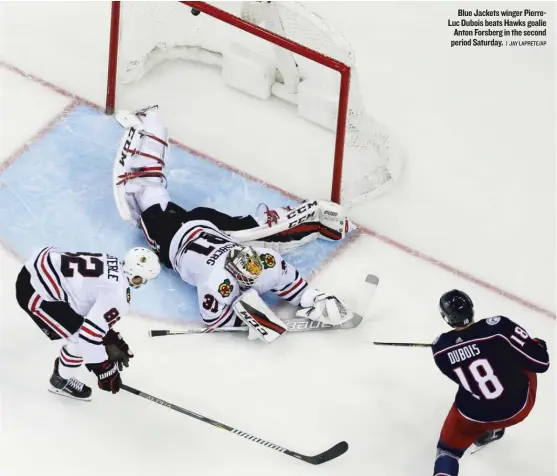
{"points": [[372, 279], [338, 450]]}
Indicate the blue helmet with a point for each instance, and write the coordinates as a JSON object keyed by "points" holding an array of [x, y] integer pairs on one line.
{"points": [[457, 308]]}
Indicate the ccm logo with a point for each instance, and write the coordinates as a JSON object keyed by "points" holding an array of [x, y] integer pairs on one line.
{"points": [[302, 209], [126, 146], [301, 220], [255, 324]]}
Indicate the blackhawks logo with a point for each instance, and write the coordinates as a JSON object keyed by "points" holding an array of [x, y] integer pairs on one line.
{"points": [[225, 288], [268, 260]]}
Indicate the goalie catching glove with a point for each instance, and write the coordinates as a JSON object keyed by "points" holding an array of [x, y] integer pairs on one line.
{"points": [[322, 307]]}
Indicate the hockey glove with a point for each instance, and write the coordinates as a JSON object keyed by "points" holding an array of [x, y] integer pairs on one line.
{"points": [[117, 349], [322, 307], [541, 343], [108, 375]]}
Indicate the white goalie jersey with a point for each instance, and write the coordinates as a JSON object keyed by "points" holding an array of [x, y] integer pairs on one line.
{"points": [[198, 253]]}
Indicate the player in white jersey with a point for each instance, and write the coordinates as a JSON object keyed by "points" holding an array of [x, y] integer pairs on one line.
{"points": [[202, 245], [78, 297]]}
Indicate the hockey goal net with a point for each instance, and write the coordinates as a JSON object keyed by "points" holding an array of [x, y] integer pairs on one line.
{"points": [[264, 49]]}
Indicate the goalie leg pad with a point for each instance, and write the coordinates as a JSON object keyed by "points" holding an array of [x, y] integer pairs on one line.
{"points": [[263, 323], [334, 222], [138, 178], [285, 229]]}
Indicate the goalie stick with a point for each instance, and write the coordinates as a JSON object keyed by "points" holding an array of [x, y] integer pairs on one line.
{"points": [[292, 324], [332, 453]]}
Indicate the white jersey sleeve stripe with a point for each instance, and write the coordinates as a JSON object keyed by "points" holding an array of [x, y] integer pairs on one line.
{"points": [[48, 276], [86, 338], [93, 327], [37, 267], [224, 318], [288, 293], [55, 274], [90, 335]]}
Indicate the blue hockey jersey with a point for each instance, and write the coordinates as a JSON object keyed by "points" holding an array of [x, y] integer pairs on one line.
{"points": [[489, 361]]}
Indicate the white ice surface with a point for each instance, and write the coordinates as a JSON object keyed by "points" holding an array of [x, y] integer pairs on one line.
{"points": [[478, 193], [19, 94]]}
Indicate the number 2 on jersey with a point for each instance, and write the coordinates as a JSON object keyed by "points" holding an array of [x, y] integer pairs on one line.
{"points": [[482, 372], [88, 265]]}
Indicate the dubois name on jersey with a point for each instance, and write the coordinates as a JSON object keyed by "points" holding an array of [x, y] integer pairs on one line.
{"points": [[489, 361]]}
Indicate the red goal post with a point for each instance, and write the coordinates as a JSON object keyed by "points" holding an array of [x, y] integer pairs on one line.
{"points": [[344, 71]]}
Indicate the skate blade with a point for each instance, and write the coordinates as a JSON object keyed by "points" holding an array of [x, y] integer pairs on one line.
{"points": [[67, 395]]}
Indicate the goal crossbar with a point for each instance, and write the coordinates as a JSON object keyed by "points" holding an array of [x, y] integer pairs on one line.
{"points": [[343, 69]]}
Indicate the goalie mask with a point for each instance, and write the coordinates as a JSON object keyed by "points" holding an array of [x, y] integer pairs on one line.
{"points": [[244, 264]]}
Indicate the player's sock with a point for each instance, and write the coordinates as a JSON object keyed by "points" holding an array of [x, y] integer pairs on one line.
{"points": [[447, 461], [446, 465], [69, 361]]}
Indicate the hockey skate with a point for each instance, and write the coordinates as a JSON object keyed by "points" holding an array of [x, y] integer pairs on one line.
{"points": [[489, 437], [139, 162], [71, 388]]}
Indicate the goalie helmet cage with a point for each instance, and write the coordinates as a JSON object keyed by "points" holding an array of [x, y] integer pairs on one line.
{"points": [[366, 161]]}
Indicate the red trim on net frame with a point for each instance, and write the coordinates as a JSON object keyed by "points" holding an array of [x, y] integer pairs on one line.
{"points": [[343, 69]]}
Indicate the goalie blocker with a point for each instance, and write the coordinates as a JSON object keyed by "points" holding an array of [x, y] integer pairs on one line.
{"points": [[262, 322]]}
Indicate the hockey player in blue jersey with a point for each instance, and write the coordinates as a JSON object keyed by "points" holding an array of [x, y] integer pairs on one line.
{"points": [[494, 362]]}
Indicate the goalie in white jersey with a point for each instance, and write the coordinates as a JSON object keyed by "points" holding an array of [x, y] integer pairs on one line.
{"points": [[202, 245], [78, 297]]}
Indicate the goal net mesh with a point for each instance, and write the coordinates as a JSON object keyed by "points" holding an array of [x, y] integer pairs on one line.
{"points": [[153, 32]]}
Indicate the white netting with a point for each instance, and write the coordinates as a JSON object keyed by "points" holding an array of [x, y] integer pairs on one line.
{"points": [[153, 32]]}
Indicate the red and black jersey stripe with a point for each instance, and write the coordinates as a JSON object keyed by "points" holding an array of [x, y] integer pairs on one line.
{"points": [[293, 289], [224, 318], [69, 360], [91, 333], [56, 276], [48, 276]]}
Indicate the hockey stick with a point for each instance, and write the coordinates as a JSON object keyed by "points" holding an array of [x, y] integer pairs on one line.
{"points": [[403, 344], [292, 325], [332, 453]]}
